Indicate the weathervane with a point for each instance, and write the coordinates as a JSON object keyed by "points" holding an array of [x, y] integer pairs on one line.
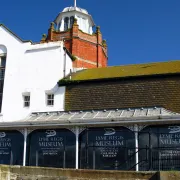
{"points": [[75, 3]]}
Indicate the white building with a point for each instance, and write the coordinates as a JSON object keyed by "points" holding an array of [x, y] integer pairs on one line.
{"points": [[30, 73], [96, 131]]}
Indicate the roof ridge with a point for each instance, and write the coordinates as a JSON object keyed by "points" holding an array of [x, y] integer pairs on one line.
{"points": [[146, 63], [134, 70], [4, 26]]}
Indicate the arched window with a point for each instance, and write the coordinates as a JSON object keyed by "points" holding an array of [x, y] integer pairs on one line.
{"points": [[3, 54], [52, 148], [71, 21], [11, 147], [107, 148], [160, 147], [66, 23]]}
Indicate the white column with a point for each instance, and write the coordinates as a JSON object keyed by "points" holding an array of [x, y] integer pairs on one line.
{"points": [[75, 3], [77, 147], [62, 24], [136, 145], [25, 143]]}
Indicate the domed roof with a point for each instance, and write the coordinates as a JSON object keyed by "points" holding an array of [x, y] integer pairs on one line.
{"points": [[67, 9]]}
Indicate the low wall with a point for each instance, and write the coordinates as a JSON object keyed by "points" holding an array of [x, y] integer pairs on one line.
{"points": [[169, 175], [38, 173]]}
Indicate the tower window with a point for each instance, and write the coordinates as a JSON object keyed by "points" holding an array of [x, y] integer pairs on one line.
{"points": [[71, 21], [66, 23], [50, 99]]}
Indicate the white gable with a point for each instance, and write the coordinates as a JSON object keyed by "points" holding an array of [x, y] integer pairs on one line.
{"points": [[32, 69]]}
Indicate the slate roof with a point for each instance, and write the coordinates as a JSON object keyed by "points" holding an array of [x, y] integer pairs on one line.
{"points": [[159, 68]]}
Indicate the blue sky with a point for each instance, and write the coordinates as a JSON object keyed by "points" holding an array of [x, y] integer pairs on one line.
{"points": [[137, 31]]}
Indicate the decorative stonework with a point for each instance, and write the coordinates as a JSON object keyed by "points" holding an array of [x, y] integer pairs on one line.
{"points": [[30, 131], [81, 129], [141, 127], [72, 129], [22, 131], [132, 128]]}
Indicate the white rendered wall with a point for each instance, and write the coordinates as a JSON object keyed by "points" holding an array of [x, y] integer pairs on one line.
{"points": [[33, 69]]}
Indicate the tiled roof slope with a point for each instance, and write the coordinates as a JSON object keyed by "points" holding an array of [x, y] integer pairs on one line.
{"points": [[150, 91], [170, 67]]}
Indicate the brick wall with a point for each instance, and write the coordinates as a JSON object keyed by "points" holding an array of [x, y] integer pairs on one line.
{"points": [[161, 91], [89, 49]]}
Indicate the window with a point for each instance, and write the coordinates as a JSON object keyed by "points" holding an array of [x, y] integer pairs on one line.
{"points": [[3, 61], [66, 22], [71, 21], [26, 100], [2, 65], [59, 151], [3, 55], [50, 99]]}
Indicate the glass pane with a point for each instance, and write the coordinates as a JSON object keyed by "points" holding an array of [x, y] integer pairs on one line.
{"points": [[3, 61], [26, 98], [162, 150], [1, 86], [11, 147], [52, 148], [26, 104], [71, 21], [50, 102], [66, 23], [107, 148], [0, 101]]}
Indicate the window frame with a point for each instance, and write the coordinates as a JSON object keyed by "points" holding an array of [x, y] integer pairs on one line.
{"points": [[66, 23], [26, 102], [49, 99]]}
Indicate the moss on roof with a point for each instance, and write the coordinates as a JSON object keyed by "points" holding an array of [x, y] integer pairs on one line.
{"points": [[170, 67]]}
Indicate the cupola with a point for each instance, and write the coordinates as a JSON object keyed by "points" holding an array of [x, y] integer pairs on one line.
{"points": [[74, 26], [65, 19]]}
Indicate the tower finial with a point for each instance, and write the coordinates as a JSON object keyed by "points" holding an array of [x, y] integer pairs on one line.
{"points": [[75, 3]]}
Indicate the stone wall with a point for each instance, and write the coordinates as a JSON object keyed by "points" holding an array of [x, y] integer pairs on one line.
{"points": [[38, 173]]}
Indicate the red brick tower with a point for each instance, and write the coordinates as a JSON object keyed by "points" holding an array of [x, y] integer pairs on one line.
{"points": [[74, 26]]}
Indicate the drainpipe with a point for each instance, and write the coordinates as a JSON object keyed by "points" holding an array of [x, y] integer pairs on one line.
{"points": [[64, 70]]}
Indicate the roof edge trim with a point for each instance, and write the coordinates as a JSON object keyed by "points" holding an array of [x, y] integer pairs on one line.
{"points": [[2, 25]]}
